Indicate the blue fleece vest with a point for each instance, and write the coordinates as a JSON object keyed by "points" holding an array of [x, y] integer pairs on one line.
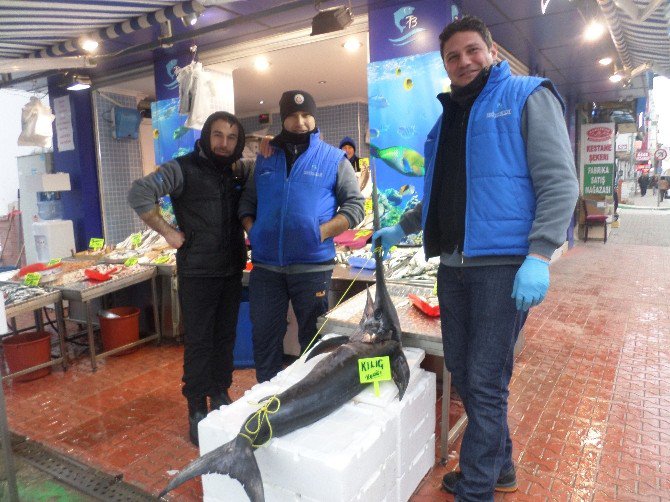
{"points": [[290, 209], [500, 200]]}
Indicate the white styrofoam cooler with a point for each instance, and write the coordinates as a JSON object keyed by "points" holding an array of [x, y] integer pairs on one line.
{"points": [[372, 448]]}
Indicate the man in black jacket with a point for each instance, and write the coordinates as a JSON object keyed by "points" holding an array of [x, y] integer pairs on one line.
{"points": [[205, 188]]}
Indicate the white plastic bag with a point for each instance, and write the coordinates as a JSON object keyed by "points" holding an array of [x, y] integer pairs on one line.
{"points": [[36, 119]]}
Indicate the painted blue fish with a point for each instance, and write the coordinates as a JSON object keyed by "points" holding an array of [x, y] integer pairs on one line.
{"points": [[401, 14], [378, 101], [407, 131]]}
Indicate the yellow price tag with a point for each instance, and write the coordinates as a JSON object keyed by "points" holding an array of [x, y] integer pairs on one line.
{"points": [[161, 259], [96, 243], [368, 206], [136, 239], [53, 262], [375, 370], [362, 233], [130, 261], [32, 279]]}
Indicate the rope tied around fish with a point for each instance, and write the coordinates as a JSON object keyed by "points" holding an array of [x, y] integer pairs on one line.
{"points": [[379, 250], [261, 416]]}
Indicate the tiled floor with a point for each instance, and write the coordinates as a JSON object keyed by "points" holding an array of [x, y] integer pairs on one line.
{"points": [[589, 403]]}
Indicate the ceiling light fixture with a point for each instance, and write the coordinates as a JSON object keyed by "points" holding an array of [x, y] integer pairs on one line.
{"points": [[605, 61], [594, 30], [261, 102], [88, 44], [352, 45], [617, 75], [321, 82], [190, 19], [333, 19], [261, 64], [78, 83]]}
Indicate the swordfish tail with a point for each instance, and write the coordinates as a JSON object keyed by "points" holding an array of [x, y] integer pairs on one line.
{"points": [[235, 459]]}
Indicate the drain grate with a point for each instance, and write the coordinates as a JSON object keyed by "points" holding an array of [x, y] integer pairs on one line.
{"points": [[88, 480]]}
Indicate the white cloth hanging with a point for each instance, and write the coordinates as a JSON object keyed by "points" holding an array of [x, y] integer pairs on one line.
{"points": [[202, 93], [36, 119]]}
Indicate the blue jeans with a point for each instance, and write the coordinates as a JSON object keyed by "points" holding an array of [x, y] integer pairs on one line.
{"points": [[269, 294], [480, 325]]}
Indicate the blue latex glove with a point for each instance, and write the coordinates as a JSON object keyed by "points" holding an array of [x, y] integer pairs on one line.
{"points": [[390, 236], [531, 283]]}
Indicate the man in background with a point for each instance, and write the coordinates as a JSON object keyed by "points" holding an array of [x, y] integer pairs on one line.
{"points": [[205, 187], [300, 197]]}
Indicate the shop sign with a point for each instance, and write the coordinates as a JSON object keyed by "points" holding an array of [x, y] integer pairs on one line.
{"points": [[661, 154], [598, 179], [622, 143], [642, 156]]}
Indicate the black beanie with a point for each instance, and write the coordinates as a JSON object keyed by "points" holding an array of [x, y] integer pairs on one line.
{"points": [[296, 101], [207, 131]]}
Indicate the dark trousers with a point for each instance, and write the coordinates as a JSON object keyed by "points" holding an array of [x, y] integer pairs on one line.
{"points": [[480, 325], [209, 308], [269, 294]]}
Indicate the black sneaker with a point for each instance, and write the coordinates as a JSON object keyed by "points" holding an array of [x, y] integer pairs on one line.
{"points": [[506, 482]]}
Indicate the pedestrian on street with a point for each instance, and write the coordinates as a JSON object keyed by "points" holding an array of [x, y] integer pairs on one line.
{"points": [[643, 181], [205, 187], [300, 197], [500, 190]]}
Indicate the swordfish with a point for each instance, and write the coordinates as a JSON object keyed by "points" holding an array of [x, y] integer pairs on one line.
{"points": [[332, 382]]}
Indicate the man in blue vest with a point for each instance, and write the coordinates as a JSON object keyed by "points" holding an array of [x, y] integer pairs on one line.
{"points": [[205, 186], [500, 189], [300, 197]]}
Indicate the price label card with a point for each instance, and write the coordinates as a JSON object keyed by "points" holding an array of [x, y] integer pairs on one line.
{"points": [[136, 239], [374, 370], [130, 261], [96, 243], [32, 279], [53, 262], [161, 259]]}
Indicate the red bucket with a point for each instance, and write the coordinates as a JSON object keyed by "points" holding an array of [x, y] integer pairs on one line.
{"points": [[25, 350], [122, 330]]}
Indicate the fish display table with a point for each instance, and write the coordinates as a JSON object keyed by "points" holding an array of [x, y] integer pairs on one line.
{"points": [[86, 291], [23, 300], [418, 330]]}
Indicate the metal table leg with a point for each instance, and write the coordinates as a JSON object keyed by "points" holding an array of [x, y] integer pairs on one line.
{"points": [[444, 426], [39, 322], [154, 300], [91, 338], [5, 437], [60, 322]]}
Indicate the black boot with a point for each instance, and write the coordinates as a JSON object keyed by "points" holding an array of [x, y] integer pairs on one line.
{"points": [[197, 410], [219, 399]]}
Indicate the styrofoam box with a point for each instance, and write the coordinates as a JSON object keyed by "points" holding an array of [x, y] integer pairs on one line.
{"points": [[352, 454]]}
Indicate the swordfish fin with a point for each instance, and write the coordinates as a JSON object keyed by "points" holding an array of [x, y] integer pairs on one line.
{"points": [[235, 459], [327, 344], [400, 371], [384, 307]]}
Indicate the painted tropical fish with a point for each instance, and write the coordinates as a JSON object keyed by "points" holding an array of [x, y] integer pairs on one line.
{"points": [[179, 132], [404, 160]]}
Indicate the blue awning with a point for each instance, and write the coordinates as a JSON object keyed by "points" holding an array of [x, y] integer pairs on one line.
{"points": [[640, 30]]}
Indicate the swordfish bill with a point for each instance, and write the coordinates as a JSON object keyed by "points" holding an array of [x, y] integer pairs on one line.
{"points": [[332, 382]]}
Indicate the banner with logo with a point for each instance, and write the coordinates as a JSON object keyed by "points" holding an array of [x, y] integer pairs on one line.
{"points": [[597, 159], [404, 78]]}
